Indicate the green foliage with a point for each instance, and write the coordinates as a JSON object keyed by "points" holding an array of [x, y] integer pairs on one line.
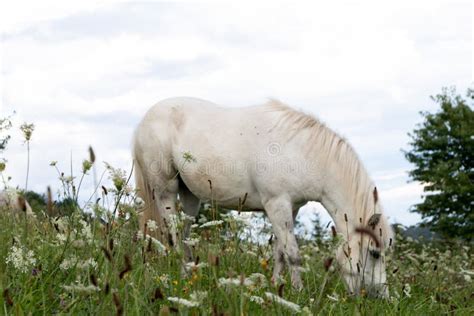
{"points": [[443, 154], [37, 201], [66, 207]]}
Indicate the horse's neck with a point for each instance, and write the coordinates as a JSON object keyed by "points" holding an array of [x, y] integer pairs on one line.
{"points": [[338, 199]]}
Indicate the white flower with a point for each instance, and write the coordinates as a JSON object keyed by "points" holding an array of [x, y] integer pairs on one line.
{"points": [[235, 282], [191, 266], [86, 231], [164, 279], [62, 238], [61, 223], [258, 279], [151, 225], [174, 222], [334, 297], [212, 223], [139, 203], [160, 247], [183, 302], [191, 242], [21, 258], [407, 290], [202, 218], [68, 263], [306, 311], [186, 217], [80, 288], [198, 296], [89, 263], [280, 301], [256, 299]]}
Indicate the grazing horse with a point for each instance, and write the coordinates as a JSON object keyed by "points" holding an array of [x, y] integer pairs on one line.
{"points": [[276, 159], [11, 200]]}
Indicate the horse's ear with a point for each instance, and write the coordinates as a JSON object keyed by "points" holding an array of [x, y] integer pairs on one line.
{"points": [[374, 220]]}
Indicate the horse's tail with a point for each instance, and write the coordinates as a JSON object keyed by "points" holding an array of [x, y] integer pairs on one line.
{"points": [[148, 211]]}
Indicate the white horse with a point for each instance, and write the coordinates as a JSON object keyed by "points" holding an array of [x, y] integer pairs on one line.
{"points": [[276, 159], [11, 200]]}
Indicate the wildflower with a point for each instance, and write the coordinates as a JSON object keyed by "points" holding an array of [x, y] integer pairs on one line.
{"points": [[183, 302], [407, 290], [68, 263], [89, 263], [61, 224], [86, 166], [164, 280], [151, 225], [280, 301], [192, 266], [235, 282], [202, 219], [139, 203], [27, 130], [66, 179], [159, 246], [212, 223], [188, 157], [334, 297], [21, 258], [81, 289], [118, 177], [198, 296], [306, 311], [191, 242], [62, 238], [256, 299], [186, 217], [264, 264], [86, 231], [258, 279]]}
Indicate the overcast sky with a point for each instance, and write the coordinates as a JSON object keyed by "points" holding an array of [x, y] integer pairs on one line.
{"points": [[85, 73]]}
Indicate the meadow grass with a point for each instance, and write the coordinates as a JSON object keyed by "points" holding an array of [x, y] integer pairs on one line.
{"points": [[103, 265], [73, 266]]}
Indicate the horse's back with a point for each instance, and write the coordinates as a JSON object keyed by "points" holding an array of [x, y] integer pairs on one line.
{"points": [[205, 141]]}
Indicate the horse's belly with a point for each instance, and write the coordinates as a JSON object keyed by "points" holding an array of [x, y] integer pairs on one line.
{"points": [[222, 183]]}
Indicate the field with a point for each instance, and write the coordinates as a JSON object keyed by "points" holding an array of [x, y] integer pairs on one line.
{"points": [[80, 265]]}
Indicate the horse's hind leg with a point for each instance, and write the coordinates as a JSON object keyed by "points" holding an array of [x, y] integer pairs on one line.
{"points": [[191, 207], [279, 212], [166, 206]]}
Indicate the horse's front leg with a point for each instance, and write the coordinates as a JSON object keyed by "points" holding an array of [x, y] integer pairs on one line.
{"points": [[280, 213], [279, 260], [191, 205]]}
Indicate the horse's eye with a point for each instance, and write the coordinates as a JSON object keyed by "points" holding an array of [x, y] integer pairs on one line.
{"points": [[375, 254]]}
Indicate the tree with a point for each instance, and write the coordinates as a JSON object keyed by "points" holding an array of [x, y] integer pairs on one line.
{"points": [[443, 154], [37, 201]]}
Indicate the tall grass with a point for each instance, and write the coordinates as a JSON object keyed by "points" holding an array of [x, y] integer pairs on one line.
{"points": [[101, 264], [81, 265]]}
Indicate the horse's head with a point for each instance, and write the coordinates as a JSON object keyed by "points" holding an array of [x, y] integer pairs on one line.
{"points": [[362, 258]]}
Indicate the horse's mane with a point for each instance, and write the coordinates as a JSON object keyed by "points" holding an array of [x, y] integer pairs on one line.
{"points": [[335, 149]]}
